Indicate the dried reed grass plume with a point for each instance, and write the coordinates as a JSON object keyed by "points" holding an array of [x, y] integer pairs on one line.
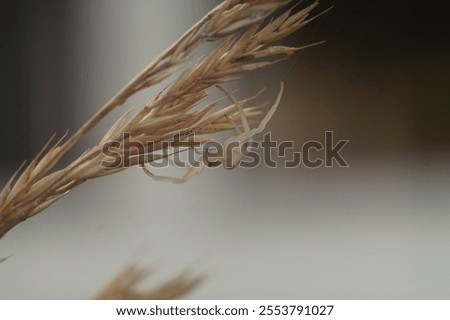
{"points": [[125, 286], [244, 32]]}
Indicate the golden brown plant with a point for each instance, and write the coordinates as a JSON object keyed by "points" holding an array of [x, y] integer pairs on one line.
{"points": [[244, 38], [245, 44], [124, 286]]}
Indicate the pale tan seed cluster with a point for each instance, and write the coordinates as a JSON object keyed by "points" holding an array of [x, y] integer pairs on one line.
{"points": [[244, 45], [244, 33]]}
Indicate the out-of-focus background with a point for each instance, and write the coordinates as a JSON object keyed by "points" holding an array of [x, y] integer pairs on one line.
{"points": [[377, 230]]}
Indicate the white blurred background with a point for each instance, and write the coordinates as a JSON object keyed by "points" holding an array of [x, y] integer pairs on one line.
{"points": [[376, 230]]}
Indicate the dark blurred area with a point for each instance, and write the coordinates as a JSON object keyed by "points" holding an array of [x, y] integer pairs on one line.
{"points": [[380, 80], [400, 42], [382, 76], [14, 93], [32, 75]]}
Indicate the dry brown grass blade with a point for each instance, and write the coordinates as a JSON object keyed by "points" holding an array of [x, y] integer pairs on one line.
{"points": [[125, 286], [4, 259], [243, 36]]}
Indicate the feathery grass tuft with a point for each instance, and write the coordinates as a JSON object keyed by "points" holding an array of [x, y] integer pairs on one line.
{"points": [[244, 38], [125, 286]]}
